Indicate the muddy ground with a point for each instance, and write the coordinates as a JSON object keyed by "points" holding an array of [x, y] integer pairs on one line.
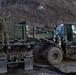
{"points": [[35, 71], [39, 69]]}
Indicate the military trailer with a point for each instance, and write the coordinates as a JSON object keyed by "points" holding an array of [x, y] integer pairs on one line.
{"points": [[19, 51]]}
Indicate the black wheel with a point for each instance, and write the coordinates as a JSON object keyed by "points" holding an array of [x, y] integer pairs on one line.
{"points": [[37, 54], [54, 55]]}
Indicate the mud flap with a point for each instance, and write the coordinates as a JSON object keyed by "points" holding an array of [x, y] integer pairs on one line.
{"points": [[3, 65], [28, 63]]}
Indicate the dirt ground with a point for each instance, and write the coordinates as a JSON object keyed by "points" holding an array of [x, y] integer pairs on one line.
{"points": [[40, 69], [35, 71]]}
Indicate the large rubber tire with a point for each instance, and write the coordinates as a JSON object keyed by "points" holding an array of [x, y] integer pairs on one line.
{"points": [[36, 52], [54, 55]]}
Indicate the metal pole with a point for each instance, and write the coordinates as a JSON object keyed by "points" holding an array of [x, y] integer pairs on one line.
{"points": [[34, 32], [24, 29]]}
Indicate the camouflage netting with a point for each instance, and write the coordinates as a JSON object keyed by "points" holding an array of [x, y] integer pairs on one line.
{"points": [[40, 12]]}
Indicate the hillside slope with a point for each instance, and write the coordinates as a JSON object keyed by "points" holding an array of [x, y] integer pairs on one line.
{"points": [[41, 12]]}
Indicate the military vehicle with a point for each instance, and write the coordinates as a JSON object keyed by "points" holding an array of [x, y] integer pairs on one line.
{"points": [[19, 48], [47, 45], [59, 51], [62, 45]]}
